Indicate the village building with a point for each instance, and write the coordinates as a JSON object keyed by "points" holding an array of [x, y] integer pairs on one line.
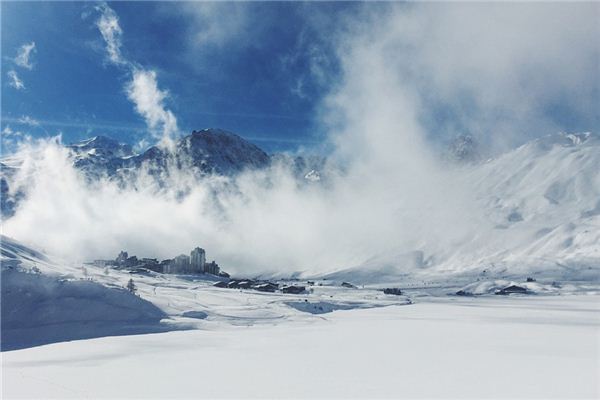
{"points": [[195, 263], [197, 260], [179, 265], [211, 268]]}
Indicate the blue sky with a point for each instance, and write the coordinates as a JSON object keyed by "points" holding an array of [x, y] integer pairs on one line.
{"points": [[248, 85], [265, 70]]}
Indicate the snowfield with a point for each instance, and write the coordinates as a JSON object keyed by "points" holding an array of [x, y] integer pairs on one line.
{"points": [[331, 342], [518, 347]]}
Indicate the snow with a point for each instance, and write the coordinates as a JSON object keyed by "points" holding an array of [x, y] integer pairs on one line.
{"points": [[536, 208], [312, 176], [193, 340], [46, 301], [39, 309], [519, 347], [540, 216]]}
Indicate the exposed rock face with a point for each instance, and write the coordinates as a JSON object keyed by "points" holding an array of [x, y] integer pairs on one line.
{"points": [[464, 149], [205, 152], [8, 198], [304, 167], [100, 156], [221, 152]]}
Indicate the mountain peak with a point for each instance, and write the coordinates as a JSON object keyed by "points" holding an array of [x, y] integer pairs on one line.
{"points": [[213, 131], [221, 151], [96, 140], [217, 134], [101, 146]]}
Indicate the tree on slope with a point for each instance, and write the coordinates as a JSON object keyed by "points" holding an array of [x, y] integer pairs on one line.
{"points": [[131, 286]]}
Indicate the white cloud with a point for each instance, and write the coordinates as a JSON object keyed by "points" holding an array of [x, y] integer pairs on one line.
{"points": [[12, 139], [219, 23], [14, 80], [27, 120], [111, 31], [495, 68], [143, 89], [23, 55], [149, 100], [7, 132], [314, 60]]}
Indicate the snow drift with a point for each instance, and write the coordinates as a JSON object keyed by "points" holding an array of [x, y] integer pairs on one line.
{"points": [[45, 308]]}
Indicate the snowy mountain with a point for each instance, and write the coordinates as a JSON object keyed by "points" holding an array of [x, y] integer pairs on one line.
{"points": [[219, 151], [303, 167], [101, 147], [535, 209], [100, 156], [204, 152], [208, 151], [541, 217]]}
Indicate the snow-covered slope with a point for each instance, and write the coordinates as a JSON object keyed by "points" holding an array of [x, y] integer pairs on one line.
{"points": [[40, 306], [44, 301], [543, 200], [540, 207]]}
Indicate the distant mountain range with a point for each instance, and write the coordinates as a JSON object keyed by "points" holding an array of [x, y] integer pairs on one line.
{"points": [[538, 205], [204, 152], [209, 151]]}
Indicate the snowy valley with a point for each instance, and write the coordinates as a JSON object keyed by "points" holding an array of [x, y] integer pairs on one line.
{"points": [[299, 200], [532, 268]]}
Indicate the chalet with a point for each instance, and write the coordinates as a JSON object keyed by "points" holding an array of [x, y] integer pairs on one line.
{"points": [[224, 274], [246, 284], [513, 289], [394, 291], [266, 287], [463, 293], [293, 289], [233, 284]]}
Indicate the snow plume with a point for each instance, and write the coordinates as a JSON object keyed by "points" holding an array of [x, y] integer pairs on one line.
{"points": [[393, 197], [142, 90], [23, 55], [108, 25]]}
